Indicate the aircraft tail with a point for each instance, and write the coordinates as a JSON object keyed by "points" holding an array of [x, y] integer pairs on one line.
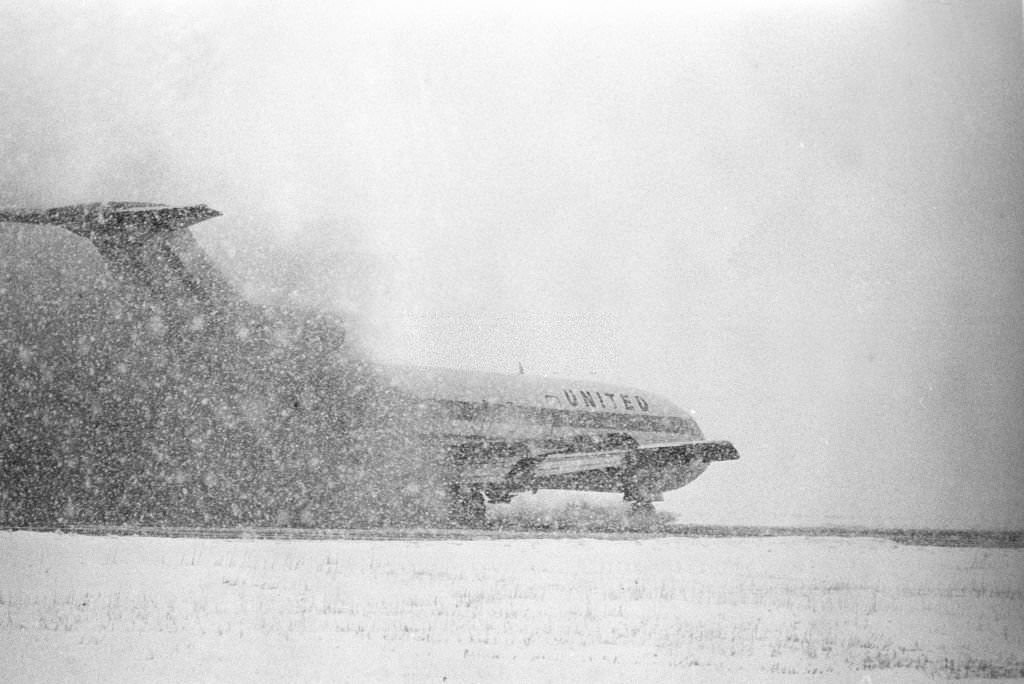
{"points": [[143, 244]]}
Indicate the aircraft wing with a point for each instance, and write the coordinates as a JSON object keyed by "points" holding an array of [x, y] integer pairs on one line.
{"points": [[651, 455], [553, 465]]}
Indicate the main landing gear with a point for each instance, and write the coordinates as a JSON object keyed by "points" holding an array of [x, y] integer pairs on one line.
{"points": [[466, 505], [639, 487], [640, 499]]}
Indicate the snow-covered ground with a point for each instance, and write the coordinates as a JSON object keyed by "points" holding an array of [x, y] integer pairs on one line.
{"points": [[80, 608]]}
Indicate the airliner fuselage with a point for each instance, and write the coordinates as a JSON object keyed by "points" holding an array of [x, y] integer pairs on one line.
{"points": [[277, 388]]}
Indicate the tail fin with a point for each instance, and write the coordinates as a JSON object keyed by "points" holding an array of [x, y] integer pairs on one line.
{"points": [[144, 244]]}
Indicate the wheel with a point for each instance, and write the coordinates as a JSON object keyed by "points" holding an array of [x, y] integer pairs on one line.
{"points": [[641, 507], [637, 492], [466, 506]]}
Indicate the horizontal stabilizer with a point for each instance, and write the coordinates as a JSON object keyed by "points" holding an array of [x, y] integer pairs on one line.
{"points": [[131, 220]]}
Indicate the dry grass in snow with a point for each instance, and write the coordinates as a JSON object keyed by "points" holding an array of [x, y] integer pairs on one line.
{"points": [[78, 608]]}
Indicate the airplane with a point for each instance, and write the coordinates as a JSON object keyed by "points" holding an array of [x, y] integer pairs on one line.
{"points": [[500, 435]]}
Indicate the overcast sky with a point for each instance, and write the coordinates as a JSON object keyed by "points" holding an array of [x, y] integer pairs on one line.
{"points": [[803, 222]]}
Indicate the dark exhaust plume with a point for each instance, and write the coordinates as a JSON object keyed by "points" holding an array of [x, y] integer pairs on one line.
{"points": [[118, 408]]}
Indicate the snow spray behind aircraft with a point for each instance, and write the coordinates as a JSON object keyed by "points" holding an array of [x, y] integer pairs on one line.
{"points": [[170, 399]]}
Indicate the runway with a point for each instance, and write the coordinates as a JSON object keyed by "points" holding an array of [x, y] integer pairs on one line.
{"points": [[1007, 539]]}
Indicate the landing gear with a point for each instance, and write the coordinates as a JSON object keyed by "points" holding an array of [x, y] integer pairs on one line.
{"points": [[642, 515], [637, 484], [640, 499], [641, 507], [638, 489], [466, 506]]}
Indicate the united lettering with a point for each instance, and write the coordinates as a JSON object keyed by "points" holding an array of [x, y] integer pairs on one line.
{"points": [[581, 398]]}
